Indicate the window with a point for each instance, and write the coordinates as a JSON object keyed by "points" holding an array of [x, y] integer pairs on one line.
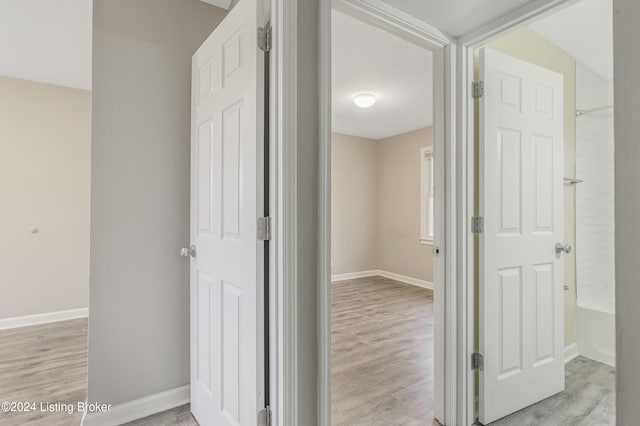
{"points": [[426, 195]]}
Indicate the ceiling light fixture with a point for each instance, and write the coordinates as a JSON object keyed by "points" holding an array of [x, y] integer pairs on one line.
{"points": [[364, 100]]}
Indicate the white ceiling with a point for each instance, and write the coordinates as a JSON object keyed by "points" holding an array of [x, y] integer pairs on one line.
{"points": [[399, 73], [47, 41], [585, 31], [456, 17]]}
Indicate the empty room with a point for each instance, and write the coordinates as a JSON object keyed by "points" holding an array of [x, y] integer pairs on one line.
{"points": [[382, 232], [45, 185]]}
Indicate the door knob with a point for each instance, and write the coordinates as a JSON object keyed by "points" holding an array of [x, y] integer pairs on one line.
{"points": [[563, 248], [188, 251]]}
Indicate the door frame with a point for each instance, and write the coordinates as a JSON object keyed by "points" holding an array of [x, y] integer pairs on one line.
{"points": [[459, 404], [512, 21], [286, 347], [381, 15]]}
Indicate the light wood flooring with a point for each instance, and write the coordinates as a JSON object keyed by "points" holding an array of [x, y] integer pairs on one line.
{"points": [[588, 399], [382, 353], [180, 416], [45, 363], [382, 368]]}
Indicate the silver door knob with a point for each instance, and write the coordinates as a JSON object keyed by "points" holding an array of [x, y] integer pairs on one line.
{"points": [[188, 251], [563, 248]]}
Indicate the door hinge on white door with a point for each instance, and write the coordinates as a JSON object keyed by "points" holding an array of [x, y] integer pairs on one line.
{"points": [[264, 38], [477, 89], [477, 225], [477, 361], [265, 416], [264, 228]]}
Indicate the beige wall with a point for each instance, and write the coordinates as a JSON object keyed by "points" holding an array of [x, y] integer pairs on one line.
{"points": [[139, 295], [354, 200], [399, 247], [376, 205], [45, 171], [527, 45]]}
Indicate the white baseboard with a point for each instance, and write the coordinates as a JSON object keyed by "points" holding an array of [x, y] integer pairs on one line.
{"points": [[407, 280], [15, 322], [140, 408], [386, 274], [570, 352], [353, 275]]}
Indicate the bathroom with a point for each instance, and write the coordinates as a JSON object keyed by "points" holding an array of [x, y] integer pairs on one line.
{"points": [[595, 226]]}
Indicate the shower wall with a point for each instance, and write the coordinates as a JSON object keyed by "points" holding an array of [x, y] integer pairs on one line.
{"points": [[595, 257]]}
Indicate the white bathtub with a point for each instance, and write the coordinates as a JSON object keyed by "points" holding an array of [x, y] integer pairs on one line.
{"points": [[595, 325]]}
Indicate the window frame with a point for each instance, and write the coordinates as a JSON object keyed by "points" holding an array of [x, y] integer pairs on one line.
{"points": [[427, 196]]}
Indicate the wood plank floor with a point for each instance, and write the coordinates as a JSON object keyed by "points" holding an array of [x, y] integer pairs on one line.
{"points": [[180, 416], [588, 399], [382, 348], [382, 353], [44, 363]]}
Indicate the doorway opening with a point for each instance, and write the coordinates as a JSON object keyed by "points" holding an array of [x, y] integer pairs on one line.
{"points": [[383, 227], [45, 187], [546, 283]]}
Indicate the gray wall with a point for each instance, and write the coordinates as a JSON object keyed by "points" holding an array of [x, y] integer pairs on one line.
{"points": [[627, 173], [307, 123], [139, 290]]}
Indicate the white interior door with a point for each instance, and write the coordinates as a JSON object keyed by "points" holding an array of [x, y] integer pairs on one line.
{"points": [[521, 202], [227, 154]]}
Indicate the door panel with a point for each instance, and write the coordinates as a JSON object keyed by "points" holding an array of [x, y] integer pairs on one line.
{"points": [[227, 354], [521, 190]]}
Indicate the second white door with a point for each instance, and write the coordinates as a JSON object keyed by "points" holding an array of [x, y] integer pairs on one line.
{"points": [[521, 202]]}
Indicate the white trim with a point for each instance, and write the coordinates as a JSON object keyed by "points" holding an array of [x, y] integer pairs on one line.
{"points": [[49, 317], [139, 408], [392, 19], [478, 37], [511, 21], [354, 275], [324, 215], [465, 298], [570, 352], [427, 192], [405, 279], [447, 310], [385, 274], [284, 351]]}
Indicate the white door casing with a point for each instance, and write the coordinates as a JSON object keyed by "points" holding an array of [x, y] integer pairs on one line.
{"points": [[227, 273], [521, 201]]}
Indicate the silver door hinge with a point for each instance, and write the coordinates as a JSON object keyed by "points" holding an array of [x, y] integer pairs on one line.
{"points": [[264, 38], [477, 361], [264, 228], [265, 417], [477, 225], [477, 89]]}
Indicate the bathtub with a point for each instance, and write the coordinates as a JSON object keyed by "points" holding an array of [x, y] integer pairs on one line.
{"points": [[595, 324]]}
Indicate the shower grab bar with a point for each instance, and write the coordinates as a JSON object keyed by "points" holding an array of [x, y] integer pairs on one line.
{"points": [[581, 112]]}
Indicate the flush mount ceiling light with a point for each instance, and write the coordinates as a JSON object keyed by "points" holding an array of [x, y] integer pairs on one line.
{"points": [[364, 100]]}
